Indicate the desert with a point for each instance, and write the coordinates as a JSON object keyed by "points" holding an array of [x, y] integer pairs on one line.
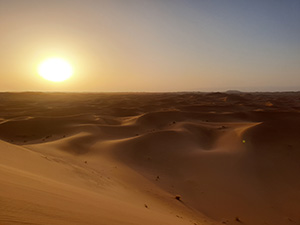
{"points": [[144, 112], [150, 158]]}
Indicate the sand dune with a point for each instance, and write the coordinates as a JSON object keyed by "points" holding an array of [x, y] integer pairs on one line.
{"points": [[122, 158]]}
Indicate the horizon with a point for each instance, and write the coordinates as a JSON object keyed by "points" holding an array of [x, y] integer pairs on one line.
{"points": [[143, 92]]}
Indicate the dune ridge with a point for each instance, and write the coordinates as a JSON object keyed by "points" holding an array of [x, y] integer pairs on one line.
{"points": [[122, 158]]}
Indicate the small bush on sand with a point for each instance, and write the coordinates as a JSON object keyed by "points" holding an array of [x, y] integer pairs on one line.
{"points": [[178, 197]]}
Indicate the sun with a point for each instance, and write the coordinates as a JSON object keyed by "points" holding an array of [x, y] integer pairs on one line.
{"points": [[55, 69]]}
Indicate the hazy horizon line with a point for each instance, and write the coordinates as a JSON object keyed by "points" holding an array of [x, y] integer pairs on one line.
{"points": [[145, 92]]}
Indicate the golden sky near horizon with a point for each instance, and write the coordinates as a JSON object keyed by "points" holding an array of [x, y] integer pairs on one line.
{"points": [[152, 45]]}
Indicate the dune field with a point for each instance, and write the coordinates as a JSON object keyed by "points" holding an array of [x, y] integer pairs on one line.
{"points": [[150, 158]]}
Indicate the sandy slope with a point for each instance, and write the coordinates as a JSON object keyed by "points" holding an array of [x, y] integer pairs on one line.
{"points": [[122, 158], [60, 189]]}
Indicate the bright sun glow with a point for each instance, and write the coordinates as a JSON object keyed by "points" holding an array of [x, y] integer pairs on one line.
{"points": [[55, 69]]}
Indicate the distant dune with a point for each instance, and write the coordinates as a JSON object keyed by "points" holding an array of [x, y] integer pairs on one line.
{"points": [[161, 158]]}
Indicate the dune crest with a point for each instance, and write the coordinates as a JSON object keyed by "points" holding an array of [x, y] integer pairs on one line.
{"points": [[168, 158]]}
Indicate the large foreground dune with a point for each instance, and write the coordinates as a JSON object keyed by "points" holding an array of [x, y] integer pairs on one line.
{"points": [[113, 159]]}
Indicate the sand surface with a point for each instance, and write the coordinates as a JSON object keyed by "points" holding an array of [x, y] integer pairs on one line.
{"points": [[113, 159]]}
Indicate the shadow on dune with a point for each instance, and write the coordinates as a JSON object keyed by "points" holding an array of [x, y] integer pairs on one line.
{"points": [[228, 155]]}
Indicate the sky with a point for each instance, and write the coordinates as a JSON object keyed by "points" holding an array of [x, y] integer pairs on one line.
{"points": [[152, 45]]}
